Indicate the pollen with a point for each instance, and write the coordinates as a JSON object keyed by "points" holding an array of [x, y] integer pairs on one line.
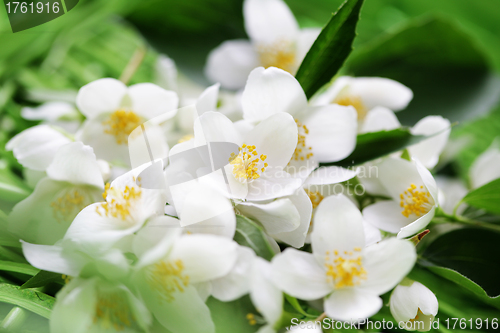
{"points": [[354, 101], [65, 207], [302, 151], [251, 319], [248, 165], [344, 271], [185, 138], [315, 196], [168, 278], [280, 55], [118, 203], [120, 124], [415, 202], [112, 311]]}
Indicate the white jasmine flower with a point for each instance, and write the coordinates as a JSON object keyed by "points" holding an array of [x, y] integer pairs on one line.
{"points": [[275, 41], [113, 111], [485, 167], [349, 275], [73, 182], [170, 267], [414, 198], [60, 114], [366, 93], [36, 146], [414, 305], [451, 191]]}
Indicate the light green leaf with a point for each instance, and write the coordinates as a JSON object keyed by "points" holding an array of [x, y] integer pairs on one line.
{"points": [[331, 48], [230, 317], [18, 267], [467, 256], [250, 234], [370, 146], [12, 188], [296, 305], [486, 197], [28, 299]]}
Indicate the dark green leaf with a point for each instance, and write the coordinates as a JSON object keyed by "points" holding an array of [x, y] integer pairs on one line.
{"points": [[370, 146], [467, 254], [228, 315], [18, 267], [28, 299], [486, 197], [296, 305], [441, 63], [250, 234], [43, 278], [331, 48]]}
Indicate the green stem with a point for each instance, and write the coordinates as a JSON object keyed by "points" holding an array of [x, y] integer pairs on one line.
{"points": [[14, 319], [464, 220]]}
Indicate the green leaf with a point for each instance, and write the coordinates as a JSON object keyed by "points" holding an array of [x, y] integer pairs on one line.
{"points": [[17, 267], [43, 278], [250, 234], [469, 252], [332, 47], [448, 73], [296, 305], [370, 146], [486, 197], [228, 315], [12, 188], [28, 299]]}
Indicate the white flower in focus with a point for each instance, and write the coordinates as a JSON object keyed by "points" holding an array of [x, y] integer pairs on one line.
{"points": [[366, 93], [485, 167], [414, 305], [169, 269], [73, 182], [35, 147], [349, 275], [113, 111], [275, 41], [414, 196]]}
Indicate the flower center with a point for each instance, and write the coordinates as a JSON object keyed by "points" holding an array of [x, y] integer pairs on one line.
{"points": [[168, 278], [414, 201], [112, 311], [280, 55], [419, 312], [119, 203], [315, 197], [185, 138], [247, 165], [354, 101], [344, 270], [120, 124], [302, 151], [65, 207]]}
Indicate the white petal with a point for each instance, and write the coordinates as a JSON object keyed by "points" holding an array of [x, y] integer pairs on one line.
{"points": [[386, 215], [205, 257], [380, 119], [208, 99], [266, 298], [329, 95], [330, 175], [298, 274], [50, 111], [428, 180], [276, 137], [52, 258], [277, 216], [146, 144], [485, 167], [215, 127], [386, 264], [237, 282], [100, 96], [372, 234], [149, 100], [36, 147], [273, 183], [416, 226], [297, 237], [375, 91], [427, 302], [76, 164], [166, 73], [404, 303], [338, 225], [270, 91], [397, 175], [428, 151], [269, 21], [352, 304], [230, 63], [305, 40], [450, 192], [332, 132]]}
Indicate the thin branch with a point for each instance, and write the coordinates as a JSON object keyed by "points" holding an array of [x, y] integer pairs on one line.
{"points": [[133, 64]]}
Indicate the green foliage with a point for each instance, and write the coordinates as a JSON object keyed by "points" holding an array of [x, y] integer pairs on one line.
{"points": [[471, 253], [17, 267], [486, 197], [248, 233], [43, 278], [230, 315], [370, 146], [28, 299], [328, 53], [12, 188]]}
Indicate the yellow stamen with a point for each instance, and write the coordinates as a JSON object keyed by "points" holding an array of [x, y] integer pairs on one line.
{"points": [[247, 166], [67, 206], [168, 278], [354, 101], [118, 203], [299, 153], [185, 138], [112, 311], [280, 55], [345, 271], [415, 202], [120, 124]]}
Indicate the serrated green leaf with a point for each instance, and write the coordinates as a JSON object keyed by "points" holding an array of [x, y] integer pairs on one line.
{"points": [[486, 197], [330, 50], [18, 267], [370, 146], [472, 253], [43, 278], [28, 299], [250, 234]]}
